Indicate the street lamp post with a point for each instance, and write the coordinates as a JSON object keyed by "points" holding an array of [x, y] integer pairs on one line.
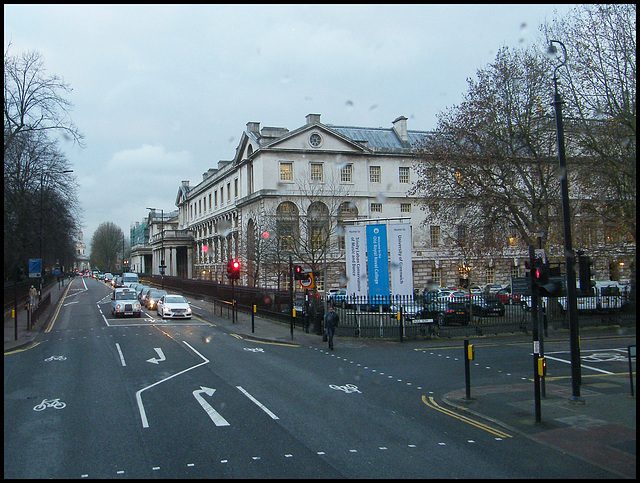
{"points": [[572, 299], [162, 265]]}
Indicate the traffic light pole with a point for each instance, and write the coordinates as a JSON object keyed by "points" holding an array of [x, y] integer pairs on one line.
{"points": [[535, 305]]}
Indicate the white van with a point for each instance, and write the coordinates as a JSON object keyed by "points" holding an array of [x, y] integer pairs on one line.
{"points": [[128, 278]]}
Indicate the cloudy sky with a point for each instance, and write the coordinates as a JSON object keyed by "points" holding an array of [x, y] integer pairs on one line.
{"points": [[162, 93]]}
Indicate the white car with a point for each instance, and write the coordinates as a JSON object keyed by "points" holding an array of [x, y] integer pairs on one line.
{"points": [[173, 306]]}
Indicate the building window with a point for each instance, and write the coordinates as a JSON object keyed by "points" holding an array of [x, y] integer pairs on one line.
{"points": [[403, 175], [286, 171], [405, 207], [215, 198], [490, 276], [346, 173], [316, 172], [221, 195], [462, 234], [515, 273], [437, 276], [210, 201], [435, 236], [374, 174], [228, 192], [235, 187], [376, 207], [199, 207]]}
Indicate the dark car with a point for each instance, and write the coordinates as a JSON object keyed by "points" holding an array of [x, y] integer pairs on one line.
{"points": [[445, 313], [484, 305], [152, 297]]}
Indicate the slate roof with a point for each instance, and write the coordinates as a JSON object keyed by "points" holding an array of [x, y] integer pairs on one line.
{"points": [[379, 138]]}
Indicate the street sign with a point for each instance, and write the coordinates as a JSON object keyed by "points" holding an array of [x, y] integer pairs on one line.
{"points": [[35, 267], [307, 283]]}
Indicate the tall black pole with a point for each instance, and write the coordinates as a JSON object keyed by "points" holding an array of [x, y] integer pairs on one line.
{"points": [[570, 258], [291, 293]]}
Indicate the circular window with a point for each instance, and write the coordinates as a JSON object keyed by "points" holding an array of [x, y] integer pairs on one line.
{"points": [[315, 140]]}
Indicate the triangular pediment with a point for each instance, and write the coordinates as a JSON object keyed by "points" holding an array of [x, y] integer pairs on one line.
{"points": [[315, 138]]}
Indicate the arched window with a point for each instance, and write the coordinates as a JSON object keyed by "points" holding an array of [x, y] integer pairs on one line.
{"points": [[346, 211], [318, 225], [287, 227]]}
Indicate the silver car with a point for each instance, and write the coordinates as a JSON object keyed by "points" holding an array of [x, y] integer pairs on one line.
{"points": [[124, 302]]}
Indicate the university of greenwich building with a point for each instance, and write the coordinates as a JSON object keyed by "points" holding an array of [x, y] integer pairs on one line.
{"points": [[257, 205]]}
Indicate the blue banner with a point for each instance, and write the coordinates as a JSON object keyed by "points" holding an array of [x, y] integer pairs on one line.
{"points": [[377, 260]]}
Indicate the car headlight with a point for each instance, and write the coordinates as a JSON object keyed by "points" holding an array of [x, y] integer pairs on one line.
{"points": [[188, 311]]}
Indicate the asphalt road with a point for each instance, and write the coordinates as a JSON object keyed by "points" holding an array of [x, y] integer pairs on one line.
{"points": [[99, 397]]}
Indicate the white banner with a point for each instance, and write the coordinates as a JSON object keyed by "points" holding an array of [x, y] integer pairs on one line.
{"points": [[399, 237], [356, 260]]}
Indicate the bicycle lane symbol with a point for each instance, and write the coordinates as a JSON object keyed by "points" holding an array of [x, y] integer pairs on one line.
{"points": [[347, 388], [49, 403]]}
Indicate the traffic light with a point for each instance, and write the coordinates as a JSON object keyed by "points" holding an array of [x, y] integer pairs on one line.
{"points": [[585, 274], [542, 366], [540, 273], [233, 269], [300, 274]]}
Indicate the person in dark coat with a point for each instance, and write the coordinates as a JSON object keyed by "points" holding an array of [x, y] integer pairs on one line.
{"points": [[330, 324]]}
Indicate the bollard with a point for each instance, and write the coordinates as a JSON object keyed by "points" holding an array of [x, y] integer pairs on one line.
{"points": [[253, 314], [469, 354]]}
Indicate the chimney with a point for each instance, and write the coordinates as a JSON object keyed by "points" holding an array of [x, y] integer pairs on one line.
{"points": [[400, 127], [313, 118], [185, 183], [253, 127]]}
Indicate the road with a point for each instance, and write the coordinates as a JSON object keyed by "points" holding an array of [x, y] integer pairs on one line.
{"points": [[99, 397]]}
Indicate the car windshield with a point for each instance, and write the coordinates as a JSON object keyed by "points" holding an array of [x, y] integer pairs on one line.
{"points": [[125, 296], [175, 299]]}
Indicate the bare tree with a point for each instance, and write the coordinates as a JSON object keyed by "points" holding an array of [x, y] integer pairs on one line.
{"points": [[489, 169], [600, 95], [33, 101]]}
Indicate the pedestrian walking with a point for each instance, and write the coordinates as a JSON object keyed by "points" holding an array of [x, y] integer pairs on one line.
{"points": [[330, 323]]}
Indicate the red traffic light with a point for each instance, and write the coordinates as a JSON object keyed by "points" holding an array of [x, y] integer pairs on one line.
{"points": [[233, 269]]}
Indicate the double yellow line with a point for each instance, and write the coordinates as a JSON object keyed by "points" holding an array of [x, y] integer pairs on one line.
{"points": [[433, 405]]}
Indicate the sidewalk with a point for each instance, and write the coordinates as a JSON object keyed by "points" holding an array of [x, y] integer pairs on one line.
{"points": [[24, 336], [602, 430]]}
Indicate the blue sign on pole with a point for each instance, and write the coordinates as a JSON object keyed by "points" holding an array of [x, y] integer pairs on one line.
{"points": [[35, 267], [378, 261]]}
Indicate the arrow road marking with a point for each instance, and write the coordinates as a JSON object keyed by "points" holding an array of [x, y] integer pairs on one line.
{"points": [[213, 414], [153, 360], [143, 414]]}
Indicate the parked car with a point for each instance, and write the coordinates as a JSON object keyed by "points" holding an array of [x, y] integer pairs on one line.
{"points": [[331, 293], [484, 305], [492, 288], [152, 297], [445, 313], [124, 302], [340, 298], [173, 306], [505, 296]]}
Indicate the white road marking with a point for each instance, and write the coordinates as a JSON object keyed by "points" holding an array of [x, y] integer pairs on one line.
{"points": [[258, 403], [121, 355]]}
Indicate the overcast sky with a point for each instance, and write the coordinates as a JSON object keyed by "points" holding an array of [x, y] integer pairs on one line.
{"points": [[162, 93]]}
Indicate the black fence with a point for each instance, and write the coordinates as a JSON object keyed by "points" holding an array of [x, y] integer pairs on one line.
{"points": [[400, 318]]}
